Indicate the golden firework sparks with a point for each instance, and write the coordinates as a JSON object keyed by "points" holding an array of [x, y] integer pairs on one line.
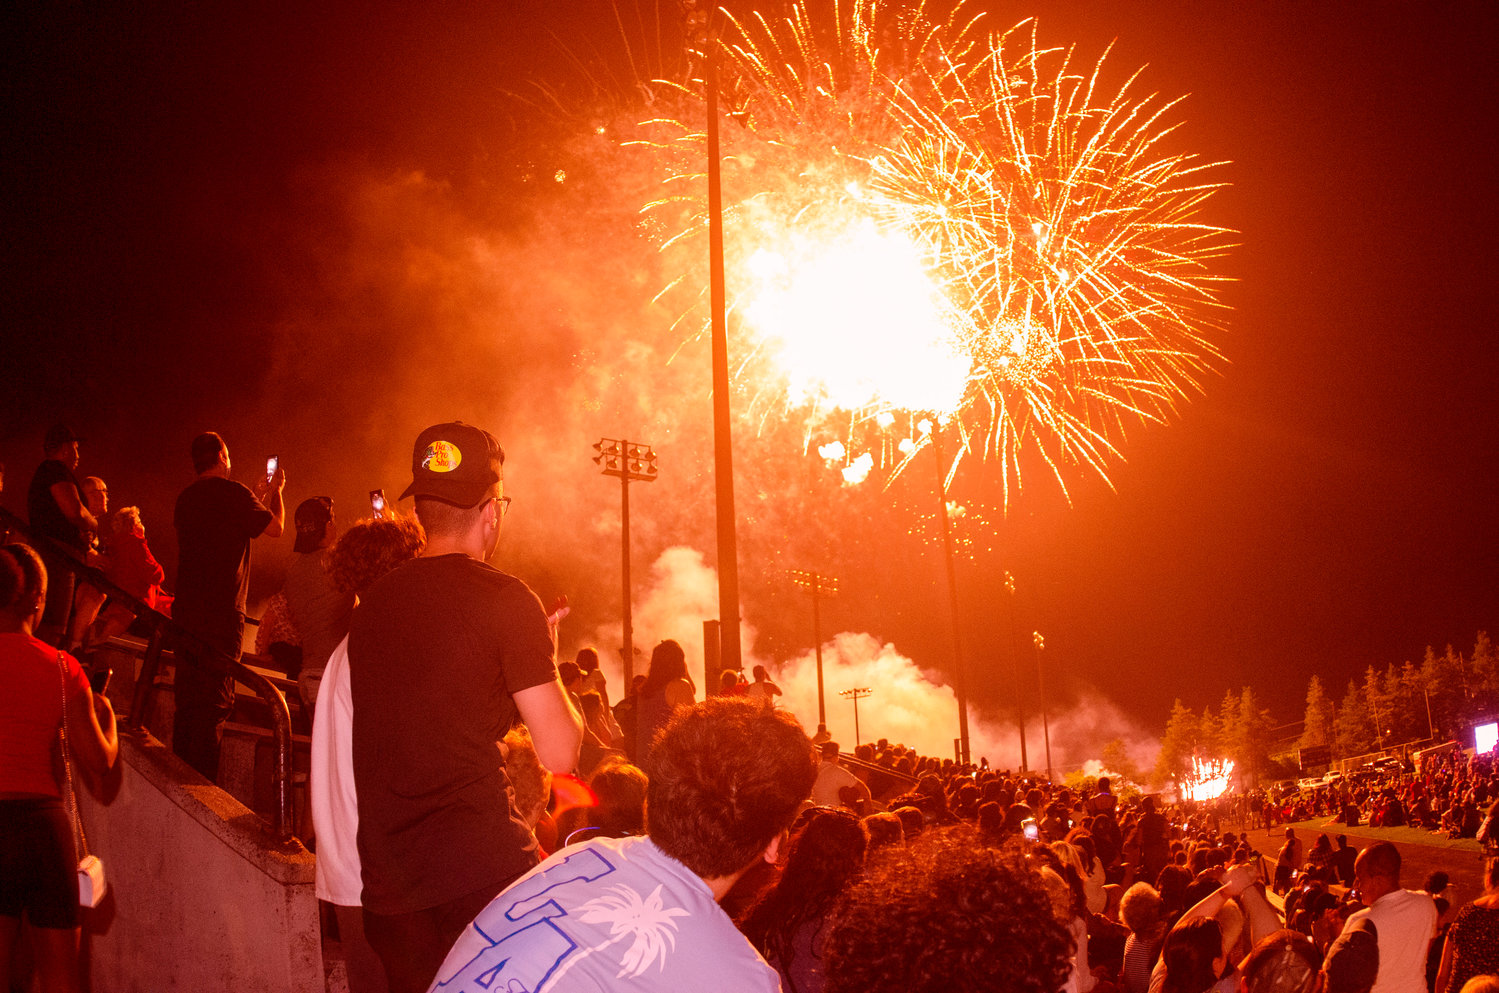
{"points": [[928, 219]]}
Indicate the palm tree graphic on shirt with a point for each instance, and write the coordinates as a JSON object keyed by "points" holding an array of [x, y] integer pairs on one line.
{"points": [[628, 916]]}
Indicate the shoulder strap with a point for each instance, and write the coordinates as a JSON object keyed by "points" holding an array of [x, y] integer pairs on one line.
{"points": [[67, 758]]}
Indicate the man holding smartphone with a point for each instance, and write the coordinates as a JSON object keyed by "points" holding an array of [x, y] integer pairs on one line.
{"points": [[216, 520]]}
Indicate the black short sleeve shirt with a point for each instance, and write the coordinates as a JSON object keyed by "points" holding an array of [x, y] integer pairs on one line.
{"points": [[437, 648]]}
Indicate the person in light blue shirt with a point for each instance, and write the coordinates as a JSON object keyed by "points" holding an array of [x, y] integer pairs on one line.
{"points": [[641, 914]]}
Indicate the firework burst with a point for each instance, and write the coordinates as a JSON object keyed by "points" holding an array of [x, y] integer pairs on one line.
{"points": [[929, 219]]}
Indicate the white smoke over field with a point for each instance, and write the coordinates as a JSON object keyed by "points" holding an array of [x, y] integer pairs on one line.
{"points": [[909, 704]]}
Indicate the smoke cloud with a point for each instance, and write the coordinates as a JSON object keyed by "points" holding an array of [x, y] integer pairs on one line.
{"points": [[909, 704]]}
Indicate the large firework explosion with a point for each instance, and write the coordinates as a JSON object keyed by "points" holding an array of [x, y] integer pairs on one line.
{"points": [[930, 221]]}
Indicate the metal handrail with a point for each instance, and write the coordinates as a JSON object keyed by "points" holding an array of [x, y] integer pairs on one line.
{"points": [[162, 628]]}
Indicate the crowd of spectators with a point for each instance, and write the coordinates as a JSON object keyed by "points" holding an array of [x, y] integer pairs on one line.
{"points": [[675, 842]]}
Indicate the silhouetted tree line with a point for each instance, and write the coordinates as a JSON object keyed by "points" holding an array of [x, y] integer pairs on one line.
{"points": [[1386, 708]]}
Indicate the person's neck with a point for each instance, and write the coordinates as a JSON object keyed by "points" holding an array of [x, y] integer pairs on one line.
{"points": [[449, 545], [219, 471], [10, 624]]}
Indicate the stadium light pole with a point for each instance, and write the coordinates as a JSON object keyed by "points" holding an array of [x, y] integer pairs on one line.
{"points": [[1015, 668], [1040, 644], [723, 457], [856, 694], [960, 687], [819, 586], [631, 462]]}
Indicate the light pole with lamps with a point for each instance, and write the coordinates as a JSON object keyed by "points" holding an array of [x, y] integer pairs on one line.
{"points": [[856, 694], [960, 686], [1015, 669], [631, 462], [819, 586], [1040, 644]]}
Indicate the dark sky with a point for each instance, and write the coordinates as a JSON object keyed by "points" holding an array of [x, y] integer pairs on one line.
{"points": [[318, 228]]}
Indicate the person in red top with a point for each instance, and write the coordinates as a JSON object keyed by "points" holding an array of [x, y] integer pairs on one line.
{"points": [[38, 863]]}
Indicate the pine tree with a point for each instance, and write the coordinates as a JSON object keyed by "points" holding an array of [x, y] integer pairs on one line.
{"points": [[1252, 736], [1319, 729], [1355, 731], [1175, 761]]}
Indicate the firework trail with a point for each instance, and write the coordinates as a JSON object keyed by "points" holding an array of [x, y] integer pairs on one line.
{"points": [[926, 219]]}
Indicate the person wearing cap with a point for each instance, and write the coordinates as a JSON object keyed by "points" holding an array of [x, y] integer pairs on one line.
{"points": [[1406, 920], [57, 513], [216, 519], [319, 610], [446, 652]]}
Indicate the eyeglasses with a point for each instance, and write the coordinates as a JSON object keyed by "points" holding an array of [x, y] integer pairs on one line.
{"points": [[504, 503]]}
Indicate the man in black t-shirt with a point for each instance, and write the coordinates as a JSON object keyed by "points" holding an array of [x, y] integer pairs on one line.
{"points": [[445, 653], [216, 519], [56, 510]]}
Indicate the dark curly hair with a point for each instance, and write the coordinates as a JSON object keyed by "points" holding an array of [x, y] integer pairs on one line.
{"points": [[370, 549], [947, 914], [726, 777], [824, 859]]}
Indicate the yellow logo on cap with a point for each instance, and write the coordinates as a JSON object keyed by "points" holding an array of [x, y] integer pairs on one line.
{"points": [[442, 456]]}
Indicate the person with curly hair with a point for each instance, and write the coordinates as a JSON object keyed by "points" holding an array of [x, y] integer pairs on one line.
{"points": [[789, 921], [726, 777], [363, 554], [947, 914]]}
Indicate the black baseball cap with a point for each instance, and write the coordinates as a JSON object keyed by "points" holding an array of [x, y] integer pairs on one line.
{"points": [[312, 517], [456, 463]]}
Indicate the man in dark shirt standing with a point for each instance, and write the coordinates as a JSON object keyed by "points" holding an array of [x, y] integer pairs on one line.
{"points": [[216, 519], [56, 510], [445, 654]]}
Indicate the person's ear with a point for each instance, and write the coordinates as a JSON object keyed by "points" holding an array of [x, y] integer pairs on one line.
{"points": [[773, 850]]}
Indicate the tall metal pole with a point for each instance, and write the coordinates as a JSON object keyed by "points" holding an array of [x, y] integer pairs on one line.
{"points": [[629, 624], [959, 683], [856, 694], [723, 458], [1015, 671], [819, 586], [1040, 643], [631, 462]]}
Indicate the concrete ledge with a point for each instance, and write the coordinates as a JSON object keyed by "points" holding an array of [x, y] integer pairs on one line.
{"points": [[201, 896], [237, 827]]}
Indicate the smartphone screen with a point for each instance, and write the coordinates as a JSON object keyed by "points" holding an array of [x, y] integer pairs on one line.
{"points": [[270, 466], [1032, 831], [377, 504]]}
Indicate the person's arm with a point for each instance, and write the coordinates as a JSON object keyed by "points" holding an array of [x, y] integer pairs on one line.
{"points": [[274, 503], [556, 729], [1235, 881], [1263, 917], [65, 495], [678, 693], [93, 739], [1449, 962]]}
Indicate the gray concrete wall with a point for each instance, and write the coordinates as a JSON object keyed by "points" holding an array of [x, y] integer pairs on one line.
{"points": [[201, 896]]}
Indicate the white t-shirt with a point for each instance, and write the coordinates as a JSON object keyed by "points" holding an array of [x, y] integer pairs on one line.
{"points": [[609, 915], [1406, 921], [830, 779], [330, 781]]}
